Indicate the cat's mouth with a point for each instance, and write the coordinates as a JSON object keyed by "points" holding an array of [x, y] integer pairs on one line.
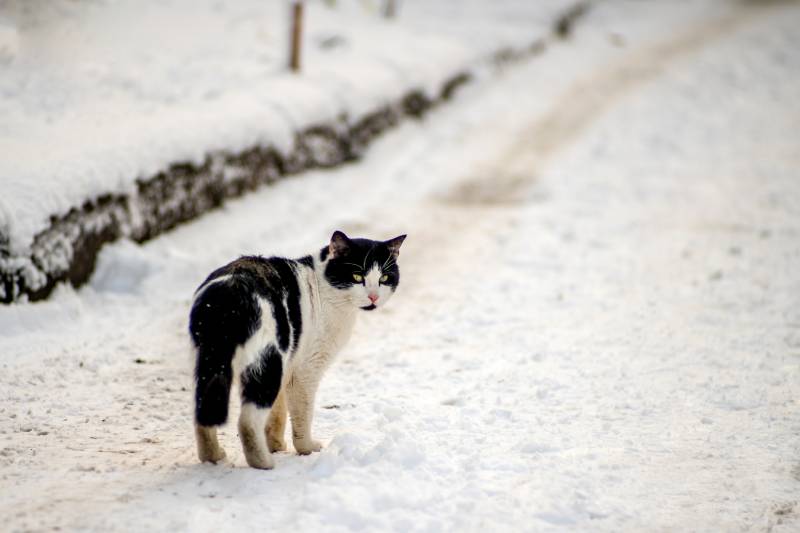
{"points": [[370, 307]]}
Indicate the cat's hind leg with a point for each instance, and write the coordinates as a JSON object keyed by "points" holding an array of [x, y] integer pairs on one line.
{"points": [[208, 448], [276, 424], [252, 422], [261, 383]]}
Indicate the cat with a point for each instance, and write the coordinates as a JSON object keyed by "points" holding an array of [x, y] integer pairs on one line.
{"points": [[273, 325]]}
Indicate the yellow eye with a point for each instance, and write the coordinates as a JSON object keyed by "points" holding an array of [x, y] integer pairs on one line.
{"points": [[384, 278], [358, 277]]}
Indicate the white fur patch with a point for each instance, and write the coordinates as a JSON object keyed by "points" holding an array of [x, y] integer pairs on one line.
{"points": [[200, 290], [250, 352]]}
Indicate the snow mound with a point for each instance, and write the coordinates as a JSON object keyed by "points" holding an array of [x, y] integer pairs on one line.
{"points": [[126, 119]]}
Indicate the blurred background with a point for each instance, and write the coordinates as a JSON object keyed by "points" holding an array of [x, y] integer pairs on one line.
{"points": [[598, 324]]}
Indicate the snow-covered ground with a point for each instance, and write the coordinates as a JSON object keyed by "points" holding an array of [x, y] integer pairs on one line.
{"points": [[97, 95], [598, 326]]}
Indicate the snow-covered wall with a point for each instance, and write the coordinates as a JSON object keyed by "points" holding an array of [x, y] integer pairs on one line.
{"points": [[126, 118]]}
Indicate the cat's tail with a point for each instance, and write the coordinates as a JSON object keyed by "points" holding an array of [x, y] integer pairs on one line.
{"points": [[213, 379]]}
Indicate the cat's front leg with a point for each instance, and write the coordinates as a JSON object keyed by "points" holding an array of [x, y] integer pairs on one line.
{"points": [[300, 392]]}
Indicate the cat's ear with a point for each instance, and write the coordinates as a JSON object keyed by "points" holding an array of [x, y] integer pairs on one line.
{"points": [[340, 244], [394, 245]]}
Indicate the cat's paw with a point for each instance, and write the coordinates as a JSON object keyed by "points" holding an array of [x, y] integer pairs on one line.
{"points": [[307, 446], [212, 455], [259, 460], [275, 444]]}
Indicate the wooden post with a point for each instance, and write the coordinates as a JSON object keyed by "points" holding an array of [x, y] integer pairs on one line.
{"points": [[390, 9], [296, 35]]}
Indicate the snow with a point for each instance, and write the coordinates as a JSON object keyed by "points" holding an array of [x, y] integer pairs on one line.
{"points": [[97, 95], [597, 326]]}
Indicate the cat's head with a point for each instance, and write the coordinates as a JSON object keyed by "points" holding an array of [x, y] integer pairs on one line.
{"points": [[366, 269]]}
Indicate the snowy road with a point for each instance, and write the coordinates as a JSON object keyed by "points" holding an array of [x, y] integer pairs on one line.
{"points": [[598, 325]]}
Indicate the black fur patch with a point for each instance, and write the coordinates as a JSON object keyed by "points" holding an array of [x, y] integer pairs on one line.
{"points": [[261, 384], [287, 275], [283, 331], [211, 397], [307, 261]]}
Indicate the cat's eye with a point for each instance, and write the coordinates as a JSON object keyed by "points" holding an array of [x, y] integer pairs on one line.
{"points": [[358, 277], [384, 278]]}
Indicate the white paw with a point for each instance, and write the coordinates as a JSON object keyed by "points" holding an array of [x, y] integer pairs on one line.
{"points": [[275, 444], [212, 455], [307, 446], [260, 460]]}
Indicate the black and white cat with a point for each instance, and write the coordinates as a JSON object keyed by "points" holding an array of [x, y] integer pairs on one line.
{"points": [[274, 325]]}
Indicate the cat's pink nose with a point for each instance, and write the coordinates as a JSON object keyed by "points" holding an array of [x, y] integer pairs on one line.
{"points": [[372, 297]]}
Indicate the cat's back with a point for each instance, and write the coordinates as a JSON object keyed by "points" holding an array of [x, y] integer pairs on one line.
{"points": [[252, 276], [230, 301]]}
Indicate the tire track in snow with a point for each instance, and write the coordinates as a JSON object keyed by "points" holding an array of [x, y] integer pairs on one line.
{"points": [[587, 100], [471, 206]]}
